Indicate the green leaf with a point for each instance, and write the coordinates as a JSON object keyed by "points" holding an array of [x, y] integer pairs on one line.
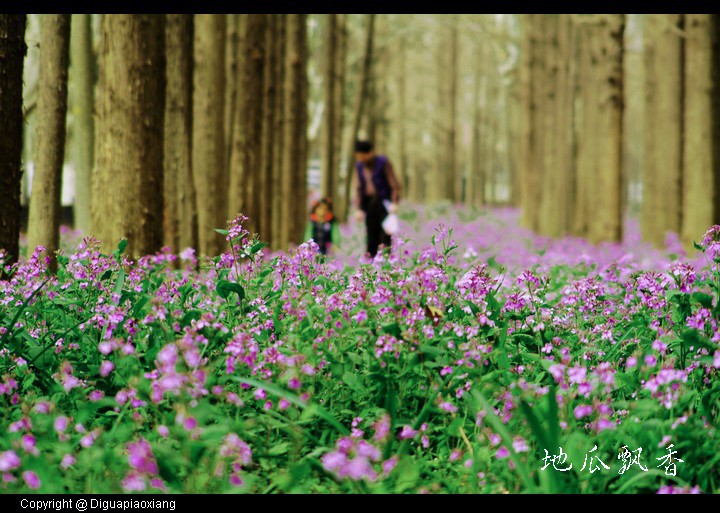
{"points": [[704, 299], [122, 245], [222, 232], [225, 288]]}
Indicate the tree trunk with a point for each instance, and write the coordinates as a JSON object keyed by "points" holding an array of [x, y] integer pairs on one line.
{"points": [[278, 195], [294, 151], [247, 135], [233, 56], [338, 99], [329, 147], [82, 90], [128, 178], [208, 148], [357, 116], [525, 76], [270, 87], [12, 54], [454, 176], [181, 224], [701, 167], [44, 214], [662, 187], [402, 158]]}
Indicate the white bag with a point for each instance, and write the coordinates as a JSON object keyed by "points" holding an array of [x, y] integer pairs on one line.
{"points": [[391, 224]]}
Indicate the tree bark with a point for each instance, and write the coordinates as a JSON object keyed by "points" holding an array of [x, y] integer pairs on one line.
{"points": [[12, 54], [247, 136], [330, 85], [128, 178], [208, 148], [607, 225], [662, 183], [44, 213], [701, 167], [357, 116], [293, 186], [181, 224], [82, 89], [278, 194]]}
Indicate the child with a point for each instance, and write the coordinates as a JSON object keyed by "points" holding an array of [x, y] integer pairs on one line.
{"points": [[322, 227]]}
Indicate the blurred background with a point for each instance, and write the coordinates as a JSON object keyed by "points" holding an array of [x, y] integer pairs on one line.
{"points": [[175, 123]]}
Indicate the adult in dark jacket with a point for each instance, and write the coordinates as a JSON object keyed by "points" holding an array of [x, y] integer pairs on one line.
{"points": [[375, 183]]}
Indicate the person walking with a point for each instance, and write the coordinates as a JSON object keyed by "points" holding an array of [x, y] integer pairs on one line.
{"points": [[376, 186]]}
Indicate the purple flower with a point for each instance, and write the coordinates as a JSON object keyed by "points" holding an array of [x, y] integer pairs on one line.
{"points": [[407, 432], [31, 479], [9, 461], [133, 482], [106, 368], [67, 461], [502, 453], [583, 410]]}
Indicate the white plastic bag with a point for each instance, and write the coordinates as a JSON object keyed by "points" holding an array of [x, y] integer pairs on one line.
{"points": [[391, 224]]}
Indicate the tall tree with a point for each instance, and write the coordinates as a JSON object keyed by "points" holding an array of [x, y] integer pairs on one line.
{"points": [[180, 214], [330, 84], [701, 141], [247, 135], [12, 54], [662, 187], [270, 87], [293, 186], [82, 91], [208, 148], [598, 191], [279, 196], [44, 214], [127, 181], [359, 107]]}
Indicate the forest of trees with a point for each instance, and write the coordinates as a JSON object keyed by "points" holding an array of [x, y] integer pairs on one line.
{"points": [[173, 124]]}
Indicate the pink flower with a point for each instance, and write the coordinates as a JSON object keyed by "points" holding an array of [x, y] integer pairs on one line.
{"points": [[61, 423], [163, 431], [133, 482], [67, 461], [9, 461], [407, 432], [106, 368], [583, 410], [31, 479], [502, 453]]}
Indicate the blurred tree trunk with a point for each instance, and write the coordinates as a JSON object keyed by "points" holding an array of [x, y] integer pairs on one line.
{"points": [[12, 54], [208, 147], [447, 59], [526, 165], [537, 27], [82, 90], [607, 225], [599, 121], [338, 99], [44, 213], [294, 151], [233, 58], [402, 157], [360, 100], [181, 224], [701, 139], [475, 187], [244, 186], [662, 179], [328, 162], [556, 202], [265, 192], [278, 195], [128, 178]]}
